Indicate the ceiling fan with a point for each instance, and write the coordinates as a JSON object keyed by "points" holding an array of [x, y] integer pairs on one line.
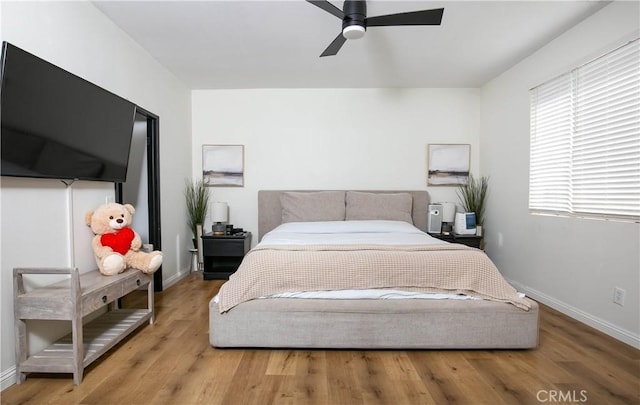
{"points": [[355, 21]]}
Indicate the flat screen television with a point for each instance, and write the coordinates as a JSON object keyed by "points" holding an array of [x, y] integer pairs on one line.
{"points": [[57, 125]]}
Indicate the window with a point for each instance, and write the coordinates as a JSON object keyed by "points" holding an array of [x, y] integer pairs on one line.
{"points": [[585, 139]]}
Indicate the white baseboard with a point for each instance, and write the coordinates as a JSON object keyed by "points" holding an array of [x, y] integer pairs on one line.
{"points": [[7, 378], [603, 326], [175, 278]]}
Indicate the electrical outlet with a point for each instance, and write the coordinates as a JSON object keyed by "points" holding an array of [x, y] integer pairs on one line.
{"points": [[618, 296], [108, 199]]}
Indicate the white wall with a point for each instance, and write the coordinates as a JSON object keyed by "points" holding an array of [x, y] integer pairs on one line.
{"points": [[331, 138], [570, 264], [42, 220]]}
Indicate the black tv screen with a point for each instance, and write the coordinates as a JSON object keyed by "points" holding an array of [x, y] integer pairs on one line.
{"points": [[58, 125]]}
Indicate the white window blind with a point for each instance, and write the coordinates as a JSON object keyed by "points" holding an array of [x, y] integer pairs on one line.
{"points": [[585, 139]]}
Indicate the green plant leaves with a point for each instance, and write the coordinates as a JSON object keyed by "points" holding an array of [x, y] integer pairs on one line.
{"points": [[473, 196]]}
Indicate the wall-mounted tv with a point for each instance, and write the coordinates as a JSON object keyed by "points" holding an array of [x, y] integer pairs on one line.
{"points": [[57, 125]]}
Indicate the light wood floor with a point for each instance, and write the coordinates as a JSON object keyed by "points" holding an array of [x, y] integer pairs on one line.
{"points": [[173, 363]]}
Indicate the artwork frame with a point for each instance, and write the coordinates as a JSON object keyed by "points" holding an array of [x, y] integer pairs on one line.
{"points": [[448, 164], [223, 165]]}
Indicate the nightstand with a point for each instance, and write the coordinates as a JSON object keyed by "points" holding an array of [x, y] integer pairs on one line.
{"points": [[223, 254], [469, 240]]}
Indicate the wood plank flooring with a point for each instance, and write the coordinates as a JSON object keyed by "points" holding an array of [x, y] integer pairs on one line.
{"points": [[172, 362]]}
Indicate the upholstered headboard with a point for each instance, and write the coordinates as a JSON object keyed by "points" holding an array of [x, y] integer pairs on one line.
{"points": [[270, 209]]}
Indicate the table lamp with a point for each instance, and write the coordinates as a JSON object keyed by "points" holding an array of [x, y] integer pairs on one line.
{"points": [[219, 217], [448, 216]]}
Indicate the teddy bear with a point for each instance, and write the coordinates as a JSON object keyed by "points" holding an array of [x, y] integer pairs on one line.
{"points": [[116, 246]]}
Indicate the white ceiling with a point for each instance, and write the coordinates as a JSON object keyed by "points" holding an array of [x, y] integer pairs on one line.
{"points": [[276, 44]]}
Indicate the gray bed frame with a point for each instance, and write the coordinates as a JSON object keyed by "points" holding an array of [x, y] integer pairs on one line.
{"points": [[370, 324]]}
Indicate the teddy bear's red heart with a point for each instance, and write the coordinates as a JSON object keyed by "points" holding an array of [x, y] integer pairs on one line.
{"points": [[120, 241]]}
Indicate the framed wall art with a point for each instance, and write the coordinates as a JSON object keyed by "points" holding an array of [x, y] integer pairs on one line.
{"points": [[223, 165], [448, 164]]}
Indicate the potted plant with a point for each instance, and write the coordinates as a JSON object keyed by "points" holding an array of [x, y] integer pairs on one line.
{"points": [[473, 196], [197, 197]]}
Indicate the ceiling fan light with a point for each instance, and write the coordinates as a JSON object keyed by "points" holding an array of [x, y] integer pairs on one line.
{"points": [[353, 31]]}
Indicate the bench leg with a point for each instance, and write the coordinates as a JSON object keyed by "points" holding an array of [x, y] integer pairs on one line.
{"points": [[21, 348], [78, 350]]}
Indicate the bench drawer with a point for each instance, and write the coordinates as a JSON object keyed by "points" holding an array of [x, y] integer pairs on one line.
{"points": [[100, 298], [134, 283]]}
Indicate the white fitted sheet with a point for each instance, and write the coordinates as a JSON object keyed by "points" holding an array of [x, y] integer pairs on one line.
{"points": [[348, 232], [368, 294]]}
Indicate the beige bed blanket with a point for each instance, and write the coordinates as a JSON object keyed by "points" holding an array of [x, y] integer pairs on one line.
{"points": [[452, 268]]}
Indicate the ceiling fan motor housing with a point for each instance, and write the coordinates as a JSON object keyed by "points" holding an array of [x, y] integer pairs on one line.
{"points": [[353, 23]]}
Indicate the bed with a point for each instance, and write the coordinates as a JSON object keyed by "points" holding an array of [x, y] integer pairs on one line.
{"points": [[355, 269]]}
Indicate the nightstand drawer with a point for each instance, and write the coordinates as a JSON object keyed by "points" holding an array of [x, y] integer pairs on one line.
{"points": [[469, 240], [223, 254], [475, 241], [223, 247]]}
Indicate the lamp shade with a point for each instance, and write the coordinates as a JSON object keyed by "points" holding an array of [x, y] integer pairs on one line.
{"points": [[219, 212], [448, 211]]}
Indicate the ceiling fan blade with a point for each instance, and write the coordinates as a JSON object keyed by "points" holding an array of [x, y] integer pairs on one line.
{"points": [[425, 17], [334, 46], [328, 7]]}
